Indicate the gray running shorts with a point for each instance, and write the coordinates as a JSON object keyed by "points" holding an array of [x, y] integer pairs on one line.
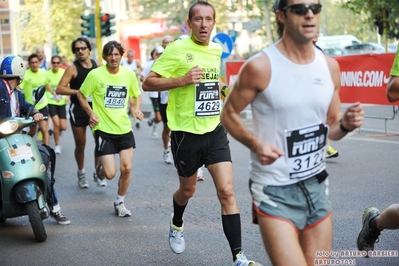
{"points": [[303, 204]]}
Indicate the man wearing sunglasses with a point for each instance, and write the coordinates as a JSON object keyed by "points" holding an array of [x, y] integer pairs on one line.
{"points": [[293, 89], [70, 84]]}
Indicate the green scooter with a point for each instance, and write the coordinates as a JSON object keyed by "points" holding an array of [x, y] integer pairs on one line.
{"points": [[23, 182]]}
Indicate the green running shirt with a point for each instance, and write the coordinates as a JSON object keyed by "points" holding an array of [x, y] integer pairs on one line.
{"points": [[53, 80], [193, 108], [395, 65], [30, 83], [111, 94]]}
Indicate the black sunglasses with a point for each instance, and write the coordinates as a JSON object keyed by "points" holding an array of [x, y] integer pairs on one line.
{"points": [[80, 48], [55, 63], [302, 9]]}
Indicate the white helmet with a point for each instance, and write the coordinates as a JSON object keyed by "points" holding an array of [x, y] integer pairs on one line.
{"points": [[12, 67]]}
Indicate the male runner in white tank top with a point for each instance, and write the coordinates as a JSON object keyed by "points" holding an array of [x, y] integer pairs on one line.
{"points": [[294, 92]]}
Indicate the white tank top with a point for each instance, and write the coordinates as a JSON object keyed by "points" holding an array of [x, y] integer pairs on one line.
{"points": [[291, 113], [132, 65]]}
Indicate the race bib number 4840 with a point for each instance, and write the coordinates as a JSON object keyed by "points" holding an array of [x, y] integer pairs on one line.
{"points": [[207, 99], [115, 96], [305, 150]]}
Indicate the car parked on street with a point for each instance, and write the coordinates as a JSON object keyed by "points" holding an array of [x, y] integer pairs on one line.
{"points": [[367, 48]]}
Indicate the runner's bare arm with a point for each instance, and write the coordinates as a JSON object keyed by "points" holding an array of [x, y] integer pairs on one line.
{"points": [[393, 89], [69, 74], [155, 82], [253, 78]]}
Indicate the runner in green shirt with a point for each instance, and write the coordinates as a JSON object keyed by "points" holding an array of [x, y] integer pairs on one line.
{"points": [[190, 70], [112, 86], [35, 77], [393, 84], [56, 104]]}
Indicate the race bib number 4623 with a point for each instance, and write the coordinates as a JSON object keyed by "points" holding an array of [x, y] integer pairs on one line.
{"points": [[207, 99], [305, 150]]}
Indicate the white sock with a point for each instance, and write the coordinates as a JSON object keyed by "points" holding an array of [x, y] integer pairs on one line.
{"points": [[82, 171], [119, 199]]}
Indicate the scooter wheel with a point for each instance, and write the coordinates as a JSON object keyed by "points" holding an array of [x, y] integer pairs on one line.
{"points": [[36, 221]]}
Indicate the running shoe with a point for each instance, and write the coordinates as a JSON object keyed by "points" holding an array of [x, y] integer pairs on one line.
{"points": [[200, 174], [154, 133], [366, 238], [99, 172], [331, 152], [166, 157], [150, 120], [100, 183], [57, 149], [60, 218], [241, 260], [82, 182], [176, 237], [121, 210]]}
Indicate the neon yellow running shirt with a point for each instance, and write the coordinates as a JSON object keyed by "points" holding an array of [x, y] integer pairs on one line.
{"points": [[54, 79], [111, 94], [193, 108], [33, 80], [395, 65]]}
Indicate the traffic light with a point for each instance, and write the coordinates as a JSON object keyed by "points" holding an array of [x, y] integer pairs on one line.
{"points": [[107, 24], [88, 26]]}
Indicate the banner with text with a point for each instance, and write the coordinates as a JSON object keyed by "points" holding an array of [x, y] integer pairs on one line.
{"points": [[363, 77]]}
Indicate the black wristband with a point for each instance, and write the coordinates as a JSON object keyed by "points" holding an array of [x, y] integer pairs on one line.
{"points": [[344, 129]]}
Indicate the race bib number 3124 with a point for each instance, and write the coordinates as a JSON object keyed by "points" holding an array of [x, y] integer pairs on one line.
{"points": [[305, 150]]}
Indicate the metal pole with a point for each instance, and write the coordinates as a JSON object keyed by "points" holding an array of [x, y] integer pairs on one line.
{"points": [[98, 31]]}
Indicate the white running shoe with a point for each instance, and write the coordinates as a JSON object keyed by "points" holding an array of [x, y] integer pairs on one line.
{"points": [[100, 183], [176, 237], [154, 133], [243, 261], [121, 210], [57, 149], [200, 174], [82, 182], [166, 157]]}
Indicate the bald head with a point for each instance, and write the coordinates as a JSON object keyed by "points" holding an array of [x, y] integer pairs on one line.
{"points": [[166, 40]]}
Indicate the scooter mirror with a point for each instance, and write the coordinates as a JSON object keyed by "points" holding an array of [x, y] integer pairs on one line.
{"points": [[39, 93]]}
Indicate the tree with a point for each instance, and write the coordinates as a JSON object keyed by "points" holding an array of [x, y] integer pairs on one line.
{"points": [[51, 21], [382, 14]]}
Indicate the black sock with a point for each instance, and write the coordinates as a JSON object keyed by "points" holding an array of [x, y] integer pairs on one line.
{"points": [[232, 230], [178, 214], [373, 226]]}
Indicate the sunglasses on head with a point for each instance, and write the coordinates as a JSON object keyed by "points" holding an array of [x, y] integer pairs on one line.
{"points": [[302, 9], [80, 48]]}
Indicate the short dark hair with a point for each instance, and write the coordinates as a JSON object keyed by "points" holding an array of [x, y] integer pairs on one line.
{"points": [[279, 5], [199, 3], [55, 56], [109, 46], [80, 39], [32, 56]]}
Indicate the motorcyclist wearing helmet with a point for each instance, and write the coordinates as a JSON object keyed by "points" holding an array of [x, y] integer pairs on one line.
{"points": [[12, 103], [12, 100]]}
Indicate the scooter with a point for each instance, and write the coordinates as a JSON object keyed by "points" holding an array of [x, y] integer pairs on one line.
{"points": [[23, 182]]}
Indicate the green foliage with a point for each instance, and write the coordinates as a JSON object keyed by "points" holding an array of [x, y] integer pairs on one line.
{"points": [[58, 21], [374, 10]]}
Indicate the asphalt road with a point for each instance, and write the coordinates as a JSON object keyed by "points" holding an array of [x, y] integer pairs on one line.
{"points": [[365, 173]]}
